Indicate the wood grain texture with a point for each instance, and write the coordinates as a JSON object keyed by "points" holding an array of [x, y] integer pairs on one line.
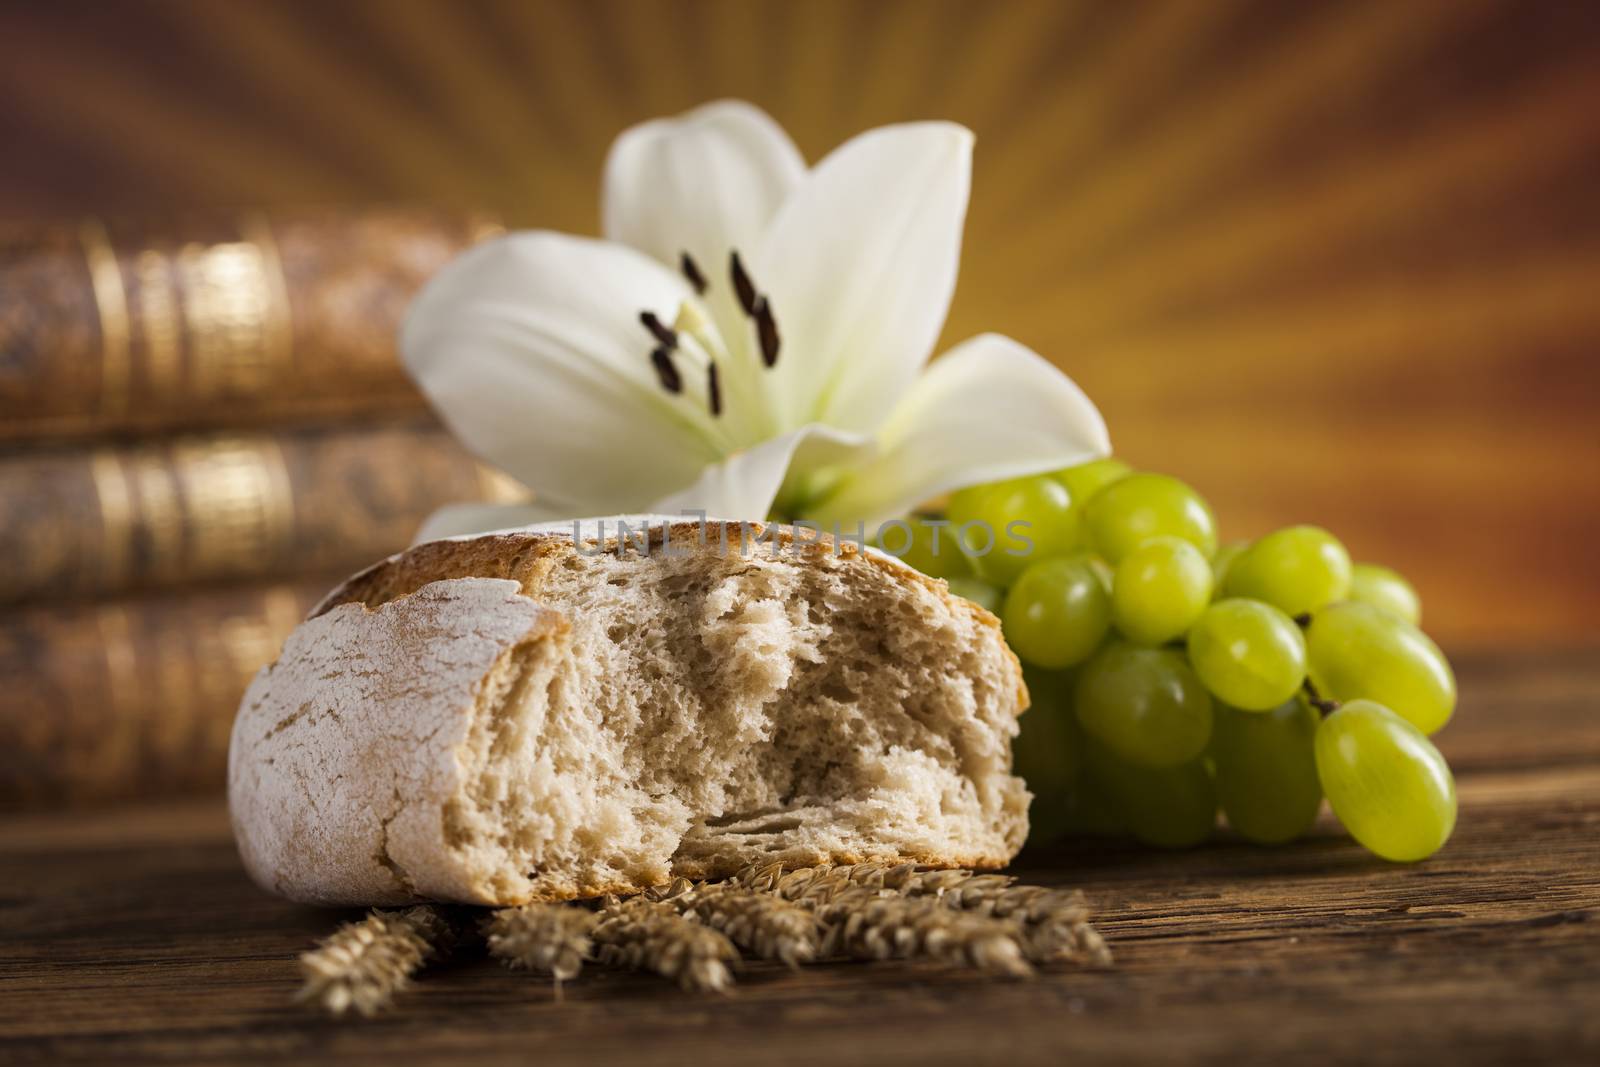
{"points": [[134, 936]]}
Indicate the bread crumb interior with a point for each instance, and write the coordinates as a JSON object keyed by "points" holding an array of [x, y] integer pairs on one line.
{"points": [[704, 710]]}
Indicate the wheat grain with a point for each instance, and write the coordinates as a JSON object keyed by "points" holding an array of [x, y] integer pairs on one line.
{"points": [[875, 924], [362, 965], [1054, 923], [551, 939], [1049, 925], [651, 935], [758, 921], [692, 932]]}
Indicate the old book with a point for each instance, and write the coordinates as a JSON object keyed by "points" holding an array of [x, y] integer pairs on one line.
{"points": [[108, 327], [104, 520], [133, 697]]}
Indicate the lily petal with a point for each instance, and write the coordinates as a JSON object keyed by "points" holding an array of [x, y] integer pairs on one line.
{"points": [[859, 266], [989, 409], [705, 182], [457, 520], [531, 348], [744, 485]]}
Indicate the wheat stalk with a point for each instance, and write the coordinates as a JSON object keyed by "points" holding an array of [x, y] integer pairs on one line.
{"points": [[874, 924], [692, 932], [759, 922], [651, 935], [1054, 923], [362, 965], [551, 939], [1049, 925]]}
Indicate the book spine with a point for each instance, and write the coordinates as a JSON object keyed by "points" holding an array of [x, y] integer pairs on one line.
{"points": [[103, 521], [133, 698], [108, 328]]}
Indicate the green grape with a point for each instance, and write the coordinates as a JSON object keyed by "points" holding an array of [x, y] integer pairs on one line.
{"points": [[1267, 770], [979, 592], [1160, 589], [1296, 569], [931, 546], [1169, 807], [1048, 753], [1384, 588], [1086, 479], [1056, 614], [1134, 509], [1357, 651], [1144, 704], [1087, 812], [1049, 816], [1222, 561], [1006, 526], [1387, 783], [1101, 568], [1248, 654]]}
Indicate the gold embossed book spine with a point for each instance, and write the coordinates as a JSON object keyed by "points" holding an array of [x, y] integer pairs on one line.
{"points": [[133, 697], [103, 520], [110, 327]]}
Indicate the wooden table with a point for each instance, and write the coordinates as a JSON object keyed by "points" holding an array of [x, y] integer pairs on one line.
{"points": [[134, 936]]}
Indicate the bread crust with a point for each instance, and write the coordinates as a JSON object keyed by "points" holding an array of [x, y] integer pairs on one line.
{"points": [[525, 556], [459, 607], [346, 693]]}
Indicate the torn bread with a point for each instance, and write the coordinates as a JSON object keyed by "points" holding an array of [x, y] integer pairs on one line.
{"points": [[526, 716]]}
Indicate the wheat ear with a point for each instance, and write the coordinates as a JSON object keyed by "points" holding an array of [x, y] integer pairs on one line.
{"points": [[650, 935], [1049, 925], [758, 921], [362, 965], [1053, 923], [551, 939], [875, 924]]}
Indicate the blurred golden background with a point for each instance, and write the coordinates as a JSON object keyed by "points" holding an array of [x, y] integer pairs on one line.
{"points": [[1331, 262]]}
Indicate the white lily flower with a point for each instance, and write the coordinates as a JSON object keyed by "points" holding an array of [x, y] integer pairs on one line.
{"points": [[752, 338]]}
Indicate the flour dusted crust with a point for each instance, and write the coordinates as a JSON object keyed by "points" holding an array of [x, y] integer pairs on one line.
{"points": [[504, 718], [343, 756]]}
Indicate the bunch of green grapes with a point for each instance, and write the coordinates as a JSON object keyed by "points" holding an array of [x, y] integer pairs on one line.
{"points": [[1171, 677]]}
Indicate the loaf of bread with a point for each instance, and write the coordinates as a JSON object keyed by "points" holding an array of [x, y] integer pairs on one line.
{"points": [[543, 714]]}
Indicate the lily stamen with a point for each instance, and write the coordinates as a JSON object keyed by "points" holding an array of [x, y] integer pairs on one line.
{"points": [[666, 370], [743, 287], [691, 271], [660, 332], [713, 389], [692, 337], [757, 306], [767, 329]]}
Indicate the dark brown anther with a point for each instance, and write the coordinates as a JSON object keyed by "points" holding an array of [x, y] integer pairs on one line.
{"points": [[713, 389], [662, 333], [767, 328], [691, 270], [742, 285], [661, 359]]}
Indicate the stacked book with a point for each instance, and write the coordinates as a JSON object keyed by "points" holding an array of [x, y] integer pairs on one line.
{"points": [[202, 427]]}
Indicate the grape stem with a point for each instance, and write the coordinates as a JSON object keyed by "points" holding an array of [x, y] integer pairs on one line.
{"points": [[1315, 699]]}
